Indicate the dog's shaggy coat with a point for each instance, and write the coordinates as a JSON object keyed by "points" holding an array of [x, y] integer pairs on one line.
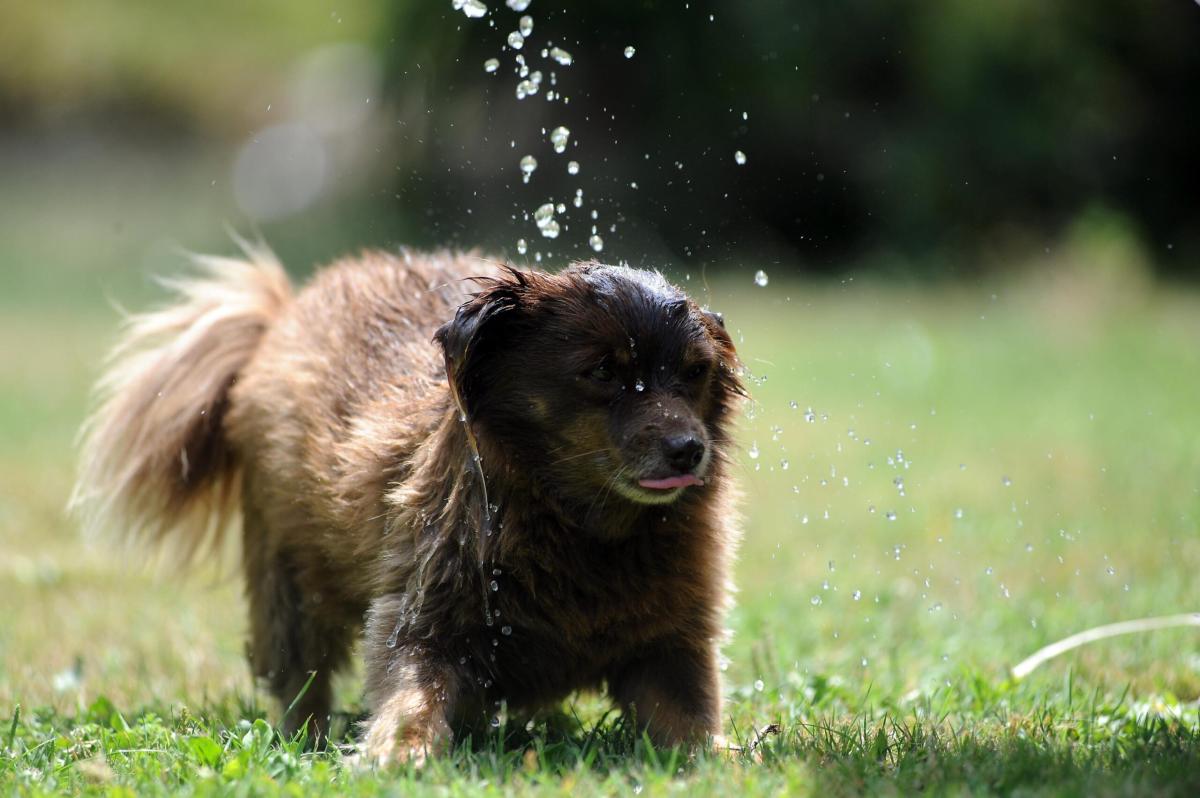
{"points": [[518, 480]]}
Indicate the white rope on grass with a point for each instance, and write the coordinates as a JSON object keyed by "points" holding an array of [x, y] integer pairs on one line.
{"points": [[1026, 666]]}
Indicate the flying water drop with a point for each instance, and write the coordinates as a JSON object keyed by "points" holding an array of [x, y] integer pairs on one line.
{"points": [[559, 137], [528, 166], [472, 8]]}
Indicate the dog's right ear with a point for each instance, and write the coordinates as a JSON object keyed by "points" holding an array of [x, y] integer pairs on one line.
{"points": [[477, 328]]}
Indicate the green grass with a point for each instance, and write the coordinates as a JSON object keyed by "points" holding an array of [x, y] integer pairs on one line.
{"points": [[1057, 412]]}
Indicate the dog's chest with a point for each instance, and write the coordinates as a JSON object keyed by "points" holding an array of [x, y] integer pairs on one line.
{"points": [[600, 598]]}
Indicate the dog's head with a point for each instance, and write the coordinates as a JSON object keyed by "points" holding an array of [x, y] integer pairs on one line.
{"points": [[601, 382]]}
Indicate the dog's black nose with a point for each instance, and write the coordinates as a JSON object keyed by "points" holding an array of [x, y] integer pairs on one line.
{"points": [[683, 452]]}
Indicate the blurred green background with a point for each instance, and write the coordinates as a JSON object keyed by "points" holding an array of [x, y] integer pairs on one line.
{"points": [[978, 228]]}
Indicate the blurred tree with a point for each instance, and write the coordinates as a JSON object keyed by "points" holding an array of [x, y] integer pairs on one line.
{"points": [[919, 137], [927, 131]]}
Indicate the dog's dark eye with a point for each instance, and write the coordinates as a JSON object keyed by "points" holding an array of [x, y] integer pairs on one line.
{"points": [[602, 373], [695, 372]]}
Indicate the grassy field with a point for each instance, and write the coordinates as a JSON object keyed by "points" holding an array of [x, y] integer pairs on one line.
{"points": [[938, 482]]}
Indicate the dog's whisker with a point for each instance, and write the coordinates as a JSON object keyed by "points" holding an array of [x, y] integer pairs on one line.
{"points": [[577, 456]]}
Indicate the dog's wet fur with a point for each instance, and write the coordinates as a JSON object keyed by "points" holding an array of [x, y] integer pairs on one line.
{"points": [[451, 454]]}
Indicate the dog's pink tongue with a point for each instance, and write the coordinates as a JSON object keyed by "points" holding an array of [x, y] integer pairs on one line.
{"points": [[670, 483]]}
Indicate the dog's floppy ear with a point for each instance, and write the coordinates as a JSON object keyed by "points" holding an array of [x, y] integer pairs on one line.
{"points": [[474, 330]]}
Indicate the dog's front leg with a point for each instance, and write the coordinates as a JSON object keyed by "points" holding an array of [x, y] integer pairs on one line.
{"points": [[412, 696], [673, 692]]}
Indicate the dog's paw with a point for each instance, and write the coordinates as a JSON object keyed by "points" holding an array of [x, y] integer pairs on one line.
{"points": [[721, 746], [386, 747]]}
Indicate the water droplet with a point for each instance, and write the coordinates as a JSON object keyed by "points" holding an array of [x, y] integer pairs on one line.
{"points": [[522, 246], [1110, 571], [561, 56], [526, 88], [988, 570], [516, 40], [1029, 547], [740, 158], [596, 242], [629, 51], [573, 167], [864, 662], [856, 595], [753, 452], [506, 630], [559, 137], [958, 512], [394, 637], [472, 8], [810, 416], [528, 166], [639, 386], [491, 65], [760, 278], [544, 218], [890, 515], [758, 685], [1005, 481], [784, 464], [517, 5], [937, 605], [494, 585], [526, 26], [815, 601]]}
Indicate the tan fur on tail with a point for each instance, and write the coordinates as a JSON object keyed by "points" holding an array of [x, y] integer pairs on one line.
{"points": [[154, 464]]}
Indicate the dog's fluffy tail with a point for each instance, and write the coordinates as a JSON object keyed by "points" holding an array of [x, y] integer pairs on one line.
{"points": [[155, 466]]}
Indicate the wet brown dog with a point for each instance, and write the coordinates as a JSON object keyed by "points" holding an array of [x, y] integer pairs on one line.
{"points": [[522, 490]]}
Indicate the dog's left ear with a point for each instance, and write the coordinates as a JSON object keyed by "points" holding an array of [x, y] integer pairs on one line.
{"points": [[476, 329]]}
